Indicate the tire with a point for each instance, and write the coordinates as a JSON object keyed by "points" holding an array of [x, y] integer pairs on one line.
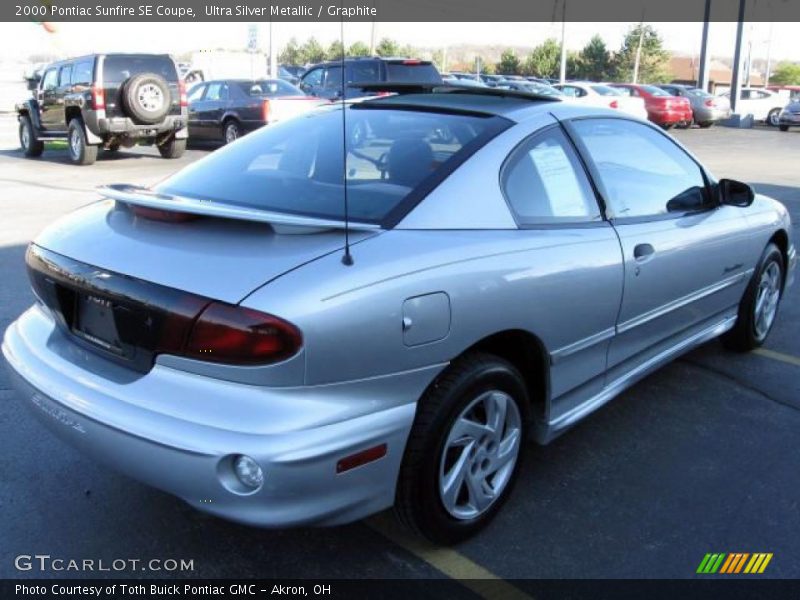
{"points": [[706, 124], [174, 148], [231, 131], [667, 126], [31, 147], [80, 152], [773, 118], [146, 98], [766, 286], [466, 389], [783, 127]]}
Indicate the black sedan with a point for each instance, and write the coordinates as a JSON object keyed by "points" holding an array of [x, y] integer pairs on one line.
{"points": [[226, 109]]}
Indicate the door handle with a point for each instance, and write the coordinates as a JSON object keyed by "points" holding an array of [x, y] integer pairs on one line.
{"points": [[643, 252]]}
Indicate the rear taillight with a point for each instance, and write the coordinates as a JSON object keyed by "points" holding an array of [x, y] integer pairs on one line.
{"points": [[613, 104], [184, 99], [412, 61], [709, 102], [98, 97], [237, 335], [155, 214], [265, 111]]}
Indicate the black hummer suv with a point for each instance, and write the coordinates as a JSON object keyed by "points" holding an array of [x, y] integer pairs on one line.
{"points": [[106, 101]]}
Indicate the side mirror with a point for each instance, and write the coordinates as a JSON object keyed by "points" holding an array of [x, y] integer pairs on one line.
{"points": [[33, 82], [735, 193]]}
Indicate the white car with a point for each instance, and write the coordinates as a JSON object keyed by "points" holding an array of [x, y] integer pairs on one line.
{"points": [[763, 105], [603, 96]]}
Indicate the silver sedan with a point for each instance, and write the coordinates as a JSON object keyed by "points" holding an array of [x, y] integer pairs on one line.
{"points": [[284, 333]]}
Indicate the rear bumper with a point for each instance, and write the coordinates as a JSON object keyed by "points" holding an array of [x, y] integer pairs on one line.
{"points": [[101, 125], [789, 119], [669, 117], [158, 429], [708, 114]]}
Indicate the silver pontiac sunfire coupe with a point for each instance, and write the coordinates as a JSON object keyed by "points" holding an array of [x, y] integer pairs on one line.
{"points": [[512, 263]]}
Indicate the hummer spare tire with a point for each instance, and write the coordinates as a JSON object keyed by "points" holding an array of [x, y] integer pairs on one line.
{"points": [[146, 98]]}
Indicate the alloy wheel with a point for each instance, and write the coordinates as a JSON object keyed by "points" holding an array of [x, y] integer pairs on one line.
{"points": [[75, 144], [767, 298], [479, 455]]}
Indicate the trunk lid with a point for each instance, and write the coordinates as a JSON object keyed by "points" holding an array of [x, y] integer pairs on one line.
{"points": [[221, 259]]}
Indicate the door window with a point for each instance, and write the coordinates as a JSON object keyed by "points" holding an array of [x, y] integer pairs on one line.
{"points": [[196, 93], [50, 80], [642, 171], [313, 78], [65, 76], [214, 91], [333, 78], [544, 182]]}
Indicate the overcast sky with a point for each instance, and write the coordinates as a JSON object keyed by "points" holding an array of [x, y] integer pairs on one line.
{"points": [[19, 40]]}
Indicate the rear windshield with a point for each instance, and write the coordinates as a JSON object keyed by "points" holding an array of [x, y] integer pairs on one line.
{"points": [[605, 90], [295, 166], [267, 88], [415, 73], [697, 92], [655, 91], [119, 68]]}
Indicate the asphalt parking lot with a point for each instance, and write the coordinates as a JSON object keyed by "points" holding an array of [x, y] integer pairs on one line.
{"points": [[699, 457]]}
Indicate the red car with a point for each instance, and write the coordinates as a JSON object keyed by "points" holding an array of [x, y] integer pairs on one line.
{"points": [[662, 108]]}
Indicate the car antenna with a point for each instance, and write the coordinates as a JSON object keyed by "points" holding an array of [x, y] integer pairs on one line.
{"points": [[347, 259]]}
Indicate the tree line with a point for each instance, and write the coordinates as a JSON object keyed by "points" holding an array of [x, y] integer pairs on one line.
{"points": [[311, 51], [595, 61]]}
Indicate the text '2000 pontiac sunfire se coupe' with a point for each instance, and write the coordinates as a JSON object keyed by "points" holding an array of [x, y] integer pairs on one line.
{"points": [[513, 263]]}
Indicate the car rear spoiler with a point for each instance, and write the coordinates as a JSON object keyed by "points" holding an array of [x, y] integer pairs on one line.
{"points": [[280, 222]]}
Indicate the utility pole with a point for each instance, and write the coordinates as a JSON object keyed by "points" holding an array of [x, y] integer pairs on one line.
{"points": [[638, 53], [372, 40], [702, 76], [769, 56], [563, 70], [736, 80], [273, 57]]}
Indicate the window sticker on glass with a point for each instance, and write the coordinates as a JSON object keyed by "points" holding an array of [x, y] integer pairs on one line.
{"points": [[558, 177]]}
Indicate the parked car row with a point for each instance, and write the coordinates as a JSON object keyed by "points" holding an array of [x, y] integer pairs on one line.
{"points": [[105, 101]]}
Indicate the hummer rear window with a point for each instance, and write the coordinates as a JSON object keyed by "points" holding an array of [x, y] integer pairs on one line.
{"points": [[119, 68]]}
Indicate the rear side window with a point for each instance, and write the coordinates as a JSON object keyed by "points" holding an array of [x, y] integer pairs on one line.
{"points": [[365, 71], [643, 173], [298, 166], [120, 68], [414, 73], [269, 87], [544, 182], [83, 73]]}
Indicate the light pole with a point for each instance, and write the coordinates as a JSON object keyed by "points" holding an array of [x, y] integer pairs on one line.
{"points": [[562, 76]]}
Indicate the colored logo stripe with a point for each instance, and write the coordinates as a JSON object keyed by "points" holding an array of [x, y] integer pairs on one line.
{"points": [[734, 562]]}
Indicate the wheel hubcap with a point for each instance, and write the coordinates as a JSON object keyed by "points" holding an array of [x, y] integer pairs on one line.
{"points": [[150, 97], [231, 133], [75, 144], [479, 455], [767, 298], [773, 119], [26, 138]]}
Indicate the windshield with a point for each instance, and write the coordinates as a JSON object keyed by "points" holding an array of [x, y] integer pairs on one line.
{"points": [[698, 93], [295, 166]]}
